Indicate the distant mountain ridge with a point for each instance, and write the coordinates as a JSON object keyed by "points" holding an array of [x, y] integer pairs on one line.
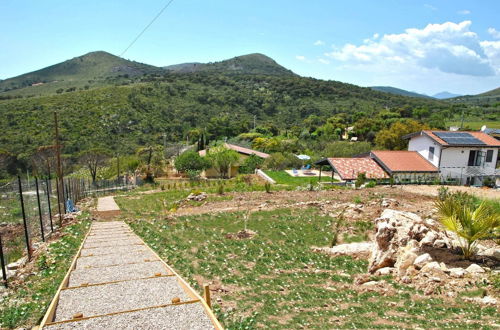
{"points": [[398, 91], [445, 95], [250, 64], [77, 72]]}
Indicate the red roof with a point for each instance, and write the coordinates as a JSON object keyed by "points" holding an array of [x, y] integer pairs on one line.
{"points": [[240, 150], [403, 161], [488, 140], [349, 168]]}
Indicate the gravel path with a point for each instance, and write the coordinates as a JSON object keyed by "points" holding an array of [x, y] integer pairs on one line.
{"points": [[117, 297], [116, 273], [107, 203], [113, 253], [185, 317]]}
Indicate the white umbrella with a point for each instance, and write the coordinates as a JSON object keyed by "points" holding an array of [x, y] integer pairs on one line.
{"points": [[303, 157]]}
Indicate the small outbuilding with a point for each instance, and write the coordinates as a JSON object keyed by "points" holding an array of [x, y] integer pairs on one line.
{"points": [[405, 166], [348, 169]]}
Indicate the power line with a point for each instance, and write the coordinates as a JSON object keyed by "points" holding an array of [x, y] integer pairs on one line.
{"points": [[147, 26]]}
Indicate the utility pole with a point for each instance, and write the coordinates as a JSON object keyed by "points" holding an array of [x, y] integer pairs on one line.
{"points": [[59, 164], [254, 121]]}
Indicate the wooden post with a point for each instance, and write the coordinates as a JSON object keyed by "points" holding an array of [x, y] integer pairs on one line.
{"points": [[320, 168], [206, 291]]}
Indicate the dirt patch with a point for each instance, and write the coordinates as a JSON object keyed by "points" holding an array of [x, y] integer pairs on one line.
{"points": [[432, 191]]}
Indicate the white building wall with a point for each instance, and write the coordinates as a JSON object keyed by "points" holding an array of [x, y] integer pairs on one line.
{"points": [[453, 162], [421, 144]]}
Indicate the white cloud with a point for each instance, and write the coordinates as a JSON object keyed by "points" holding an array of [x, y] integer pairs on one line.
{"points": [[448, 47], [319, 43], [300, 57], [375, 36], [431, 7], [494, 33], [322, 60], [464, 12]]}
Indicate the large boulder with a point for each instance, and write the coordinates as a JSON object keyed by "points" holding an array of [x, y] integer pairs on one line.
{"points": [[395, 230]]}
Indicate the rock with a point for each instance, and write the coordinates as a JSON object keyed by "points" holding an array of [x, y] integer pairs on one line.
{"points": [[491, 252], [384, 271], [404, 261], [440, 243], [349, 249], [406, 279], [197, 197], [489, 300], [457, 272], [17, 264], [474, 269], [432, 268], [422, 260], [394, 230], [429, 238], [370, 283]]}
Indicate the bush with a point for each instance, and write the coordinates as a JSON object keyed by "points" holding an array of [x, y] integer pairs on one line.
{"points": [[250, 164], [280, 161], [459, 213], [267, 186], [191, 161], [371, 184], [360, 180], [220, 189]]}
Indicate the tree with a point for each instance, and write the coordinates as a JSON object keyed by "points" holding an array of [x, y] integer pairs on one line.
{"points": [[470, 223], [221, 159], [94, 159], [5, 160], [250, 164], [191, 161], [43, 160], [392, 137]]}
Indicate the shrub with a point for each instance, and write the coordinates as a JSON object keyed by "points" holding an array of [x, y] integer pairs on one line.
{"points": [[220, 189], [280, 161], [371, 184], [191, 161], [459, 214], [360, 180], [250, 164], [337, 225], [443, 193], [267, 186]]}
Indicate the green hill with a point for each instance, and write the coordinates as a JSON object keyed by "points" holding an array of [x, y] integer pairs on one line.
{"points": [[83, 72], [398, 91], [488, 98], [246, 64]]}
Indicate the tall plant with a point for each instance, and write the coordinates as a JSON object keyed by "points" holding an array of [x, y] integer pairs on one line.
{"points": [[470, 223]]}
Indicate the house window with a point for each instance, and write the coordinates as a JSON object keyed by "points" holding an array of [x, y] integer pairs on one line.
{"points": [[489, 156], [431, 153]]}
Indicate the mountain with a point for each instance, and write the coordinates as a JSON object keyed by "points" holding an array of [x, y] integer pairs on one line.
{"points": [[488, 98], [445, 95], [398, 91], [90, 70], [247, 64]]}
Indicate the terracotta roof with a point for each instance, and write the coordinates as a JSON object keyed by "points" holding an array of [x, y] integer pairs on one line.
{"points": [[240, 150], [349, 168], [488, 140], [403, 161], [246, 151]]}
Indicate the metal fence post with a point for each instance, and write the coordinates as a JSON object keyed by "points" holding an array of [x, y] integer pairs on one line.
{"points": [[59, 202], [39, 209], [26, 236], [47, 184], [2, 261]]}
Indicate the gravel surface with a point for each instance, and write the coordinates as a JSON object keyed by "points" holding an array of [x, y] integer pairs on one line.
{"points": [[188, 316], [115, 259], [116, 273], [130, 241], [120, 249], [122, 296], [107, 204]]}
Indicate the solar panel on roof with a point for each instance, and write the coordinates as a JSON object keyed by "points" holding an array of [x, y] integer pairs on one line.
{"points": [[458, 138]]}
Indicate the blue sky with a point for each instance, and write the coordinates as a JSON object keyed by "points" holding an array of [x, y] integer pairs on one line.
{"points": [[423, 46]]}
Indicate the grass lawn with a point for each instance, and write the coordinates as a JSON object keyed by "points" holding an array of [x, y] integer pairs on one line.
{"points": [[475, 125], [274, 280], [282, 177], [26, 304]]}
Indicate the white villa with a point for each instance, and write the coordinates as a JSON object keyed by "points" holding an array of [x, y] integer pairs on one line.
{"points": [[468, 157]]}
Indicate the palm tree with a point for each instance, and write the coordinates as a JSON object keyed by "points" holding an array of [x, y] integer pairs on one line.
{"points": [[468, 222]]}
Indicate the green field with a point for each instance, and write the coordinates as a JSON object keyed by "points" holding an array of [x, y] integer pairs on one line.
{"points": [[274, 280], [283, 178], [475, 125]]}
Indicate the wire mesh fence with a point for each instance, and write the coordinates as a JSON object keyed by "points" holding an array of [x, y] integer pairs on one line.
{"points": [[32, 209]]}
